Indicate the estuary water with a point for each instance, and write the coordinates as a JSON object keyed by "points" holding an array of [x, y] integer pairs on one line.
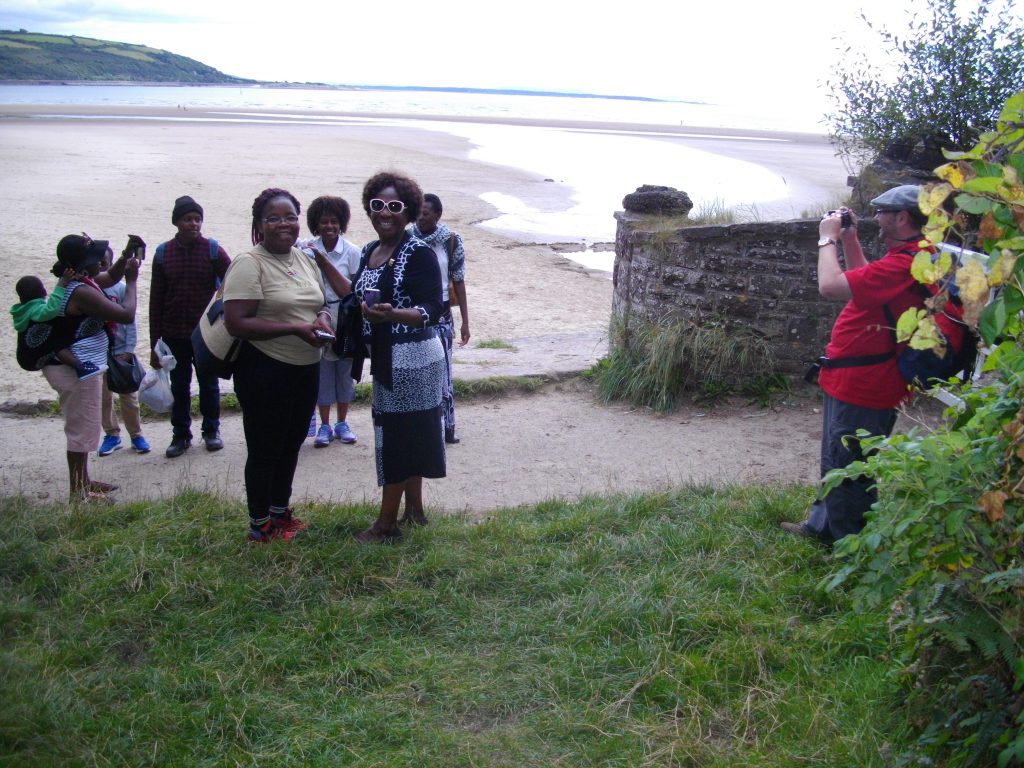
{"points": [[752, 170]]}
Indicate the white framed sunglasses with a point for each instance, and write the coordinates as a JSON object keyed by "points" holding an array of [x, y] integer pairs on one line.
{"points": [[395, 206]]}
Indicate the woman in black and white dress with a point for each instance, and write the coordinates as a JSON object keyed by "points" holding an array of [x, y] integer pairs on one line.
{"points": [[407, 357]]}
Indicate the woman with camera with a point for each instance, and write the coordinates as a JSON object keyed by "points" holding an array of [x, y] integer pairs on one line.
{"points": [[85, 311], [274, 300]]}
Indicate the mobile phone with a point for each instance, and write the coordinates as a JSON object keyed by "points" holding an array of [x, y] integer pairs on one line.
{"points": [[138, 246], [321, 334], [371, 296]]}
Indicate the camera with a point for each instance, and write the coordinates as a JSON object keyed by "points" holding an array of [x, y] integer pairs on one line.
{"points": [[136, 247], [323, 335], [371, 296], [845, 219]]}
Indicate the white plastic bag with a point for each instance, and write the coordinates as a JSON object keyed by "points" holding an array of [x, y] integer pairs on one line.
{"points": [[164, 354], [155, 390]]}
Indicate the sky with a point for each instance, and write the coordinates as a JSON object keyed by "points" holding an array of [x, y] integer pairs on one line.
{"points": [[769, 54]]}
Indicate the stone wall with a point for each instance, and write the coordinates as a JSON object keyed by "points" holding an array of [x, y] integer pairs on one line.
{"points": [[762, 276]]}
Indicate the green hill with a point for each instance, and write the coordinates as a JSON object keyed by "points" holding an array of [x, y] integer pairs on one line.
{"points": [[30, 56]]}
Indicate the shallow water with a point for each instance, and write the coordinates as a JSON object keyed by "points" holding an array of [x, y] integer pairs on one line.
{"points": [[599, 165]]}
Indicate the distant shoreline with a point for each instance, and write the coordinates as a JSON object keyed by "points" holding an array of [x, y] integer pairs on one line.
{"points": [[351, 87], [130, 111]]}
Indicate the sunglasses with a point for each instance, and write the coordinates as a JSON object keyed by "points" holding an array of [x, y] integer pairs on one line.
{"points": [[395, 206]]}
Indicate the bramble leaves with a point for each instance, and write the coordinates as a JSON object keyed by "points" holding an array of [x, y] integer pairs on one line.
{"points": [[952, 173], [928, 336], [943, 544], [907, 323], [932, 197], [927, 271]]}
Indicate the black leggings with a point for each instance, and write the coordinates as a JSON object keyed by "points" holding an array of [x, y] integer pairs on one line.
{"points": [[276, 400]]}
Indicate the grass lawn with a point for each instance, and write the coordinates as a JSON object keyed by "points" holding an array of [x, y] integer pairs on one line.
{"points": [[681, 629]]}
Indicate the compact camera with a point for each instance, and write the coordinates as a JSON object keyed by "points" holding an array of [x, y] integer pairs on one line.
{"points": [[323, 335], [845, 220]]}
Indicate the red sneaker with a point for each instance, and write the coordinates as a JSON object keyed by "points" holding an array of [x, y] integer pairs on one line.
{"points": [[269, 531], [289, 522]]}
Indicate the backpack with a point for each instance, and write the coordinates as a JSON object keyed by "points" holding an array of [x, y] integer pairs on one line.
{"points": [[158, 258], [920, 367]]}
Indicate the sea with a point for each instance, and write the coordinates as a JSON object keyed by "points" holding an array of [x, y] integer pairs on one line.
{"points": [[597, 164]]}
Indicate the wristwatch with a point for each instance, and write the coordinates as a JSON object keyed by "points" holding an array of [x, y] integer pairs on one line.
{"points": [[826, 241]]}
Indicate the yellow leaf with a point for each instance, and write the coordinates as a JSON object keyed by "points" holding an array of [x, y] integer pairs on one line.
{"points": [[991, 503], [934, 230], [907, 323], [1002, 270], [932, 196], [928, 336], [927, 271], [952, 173], [972, 282], [1010, 176]]}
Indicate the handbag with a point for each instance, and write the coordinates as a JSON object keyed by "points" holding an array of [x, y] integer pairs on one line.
{"points": [[214, 349], [123, 376]]}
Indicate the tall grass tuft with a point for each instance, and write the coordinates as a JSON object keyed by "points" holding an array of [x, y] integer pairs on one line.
{"points": [[655, 364]]}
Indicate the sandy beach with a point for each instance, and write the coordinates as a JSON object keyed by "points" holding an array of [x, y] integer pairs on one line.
{"points": [[109, 173]]}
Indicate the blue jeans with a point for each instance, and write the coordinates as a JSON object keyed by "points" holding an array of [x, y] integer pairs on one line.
{"points": [[181, 388], [841, 511]]}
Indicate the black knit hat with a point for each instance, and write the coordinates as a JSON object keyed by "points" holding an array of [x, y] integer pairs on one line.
{"points": [[183, 205]]}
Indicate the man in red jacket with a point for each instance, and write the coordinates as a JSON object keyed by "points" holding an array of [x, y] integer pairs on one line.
{"points": [[859, 375]]}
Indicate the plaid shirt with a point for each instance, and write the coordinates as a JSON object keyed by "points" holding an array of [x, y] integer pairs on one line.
{"points": [[182, 286]]}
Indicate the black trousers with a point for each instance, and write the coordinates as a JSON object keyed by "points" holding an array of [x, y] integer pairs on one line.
{"points": [[276, 400], [181, 388]]}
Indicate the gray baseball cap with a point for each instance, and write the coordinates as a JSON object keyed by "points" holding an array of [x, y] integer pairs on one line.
{"points": [[902, 198]]}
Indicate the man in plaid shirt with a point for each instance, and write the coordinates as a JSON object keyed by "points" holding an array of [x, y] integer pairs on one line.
{"points": [[185, 274]]}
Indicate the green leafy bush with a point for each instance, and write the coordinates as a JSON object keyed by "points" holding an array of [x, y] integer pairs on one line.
{"points": [[946, 77], [944, 545]]}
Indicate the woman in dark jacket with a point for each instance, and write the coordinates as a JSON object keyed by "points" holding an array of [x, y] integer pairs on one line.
{"points": [[407, 357]]}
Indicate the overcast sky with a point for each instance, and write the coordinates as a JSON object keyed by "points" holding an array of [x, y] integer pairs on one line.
{"points": [[717, 51]]}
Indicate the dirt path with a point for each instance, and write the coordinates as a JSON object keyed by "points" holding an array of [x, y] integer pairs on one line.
{"points": [[515, 450]]}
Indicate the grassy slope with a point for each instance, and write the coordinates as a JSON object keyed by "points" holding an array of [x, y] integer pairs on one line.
{"points": [[27, 56], [678, 629]]}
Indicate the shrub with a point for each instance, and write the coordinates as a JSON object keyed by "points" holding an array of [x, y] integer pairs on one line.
{"points": [[944, 545], [946, 78]]}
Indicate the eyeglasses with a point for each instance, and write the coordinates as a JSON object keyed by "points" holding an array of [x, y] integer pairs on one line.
{"points": [[275, 220], [395, 206]]}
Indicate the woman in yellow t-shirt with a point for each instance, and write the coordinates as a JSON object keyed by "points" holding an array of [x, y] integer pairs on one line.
{"points": [[274, 299]]}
